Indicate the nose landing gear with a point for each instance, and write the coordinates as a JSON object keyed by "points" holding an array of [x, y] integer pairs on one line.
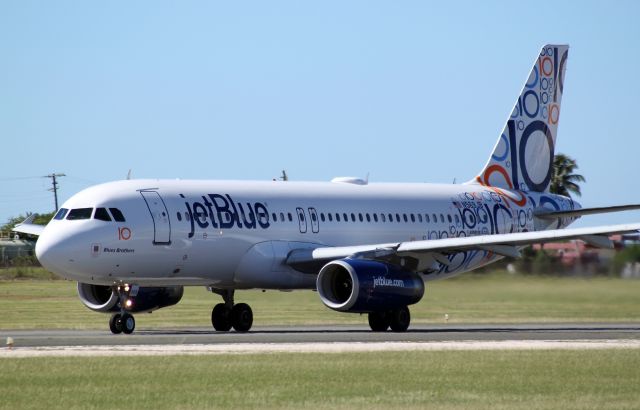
{"points": [[226, 315], [123, 322]]}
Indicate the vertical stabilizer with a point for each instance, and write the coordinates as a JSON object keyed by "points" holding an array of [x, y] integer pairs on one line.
{"points": [[523, 156]]}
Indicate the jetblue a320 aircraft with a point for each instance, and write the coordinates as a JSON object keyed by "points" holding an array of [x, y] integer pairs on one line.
{"points": [[367, 248]]}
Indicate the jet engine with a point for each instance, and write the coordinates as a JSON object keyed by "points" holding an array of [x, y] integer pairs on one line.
{"points": [[104, 299], [363, 286]]}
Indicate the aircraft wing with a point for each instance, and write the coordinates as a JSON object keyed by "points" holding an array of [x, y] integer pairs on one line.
{"points": [[502, 244], [27, 226]]}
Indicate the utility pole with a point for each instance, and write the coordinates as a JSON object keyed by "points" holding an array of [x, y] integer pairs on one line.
{"points": [[54, 185]]}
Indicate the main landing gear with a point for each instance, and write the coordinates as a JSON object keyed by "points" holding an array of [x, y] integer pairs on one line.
{"points": [[123, 322], [397, 319], [227, 315]]}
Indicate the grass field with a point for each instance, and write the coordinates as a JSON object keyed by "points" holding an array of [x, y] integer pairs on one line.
{"points": [[492, 298], [606, 379]]}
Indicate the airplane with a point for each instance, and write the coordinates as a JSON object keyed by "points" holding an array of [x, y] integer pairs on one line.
{"points": [[133, 245]]}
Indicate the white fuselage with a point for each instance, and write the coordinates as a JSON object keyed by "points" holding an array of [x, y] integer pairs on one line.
{"points": [[237, 234]]}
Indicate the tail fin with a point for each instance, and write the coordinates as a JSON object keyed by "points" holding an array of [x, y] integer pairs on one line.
{"points": [[523, 156]]}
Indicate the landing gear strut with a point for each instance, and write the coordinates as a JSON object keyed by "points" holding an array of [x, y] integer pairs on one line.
{"points": [[226, 315], [123, 322], [398, 319]]}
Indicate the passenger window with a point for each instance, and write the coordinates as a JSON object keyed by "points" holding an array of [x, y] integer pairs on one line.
{"points": [[337, 217], [360, 217], [435, 218], [426, 218], [353, 217], [382, 217], [179, 216], [419, 217], [441, 218], [375, 217], [390, 218], [274, 217], [290, 216], [314, 217], [449, 218], [102, 215], [404, 216], [80, 213], [281, 217], [322, 217], [344, 216], [397, 217], [413, 218], [457, 219], [330, 217], [117, 215], [61, 214]]}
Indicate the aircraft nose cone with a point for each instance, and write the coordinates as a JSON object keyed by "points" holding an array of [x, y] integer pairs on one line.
{"points": [[49, 252]]}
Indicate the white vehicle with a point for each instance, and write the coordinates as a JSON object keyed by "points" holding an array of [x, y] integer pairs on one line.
{"points": [[367, 248]]}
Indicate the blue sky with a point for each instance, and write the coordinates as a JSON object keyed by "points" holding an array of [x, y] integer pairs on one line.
{"points": [[404, 91]]}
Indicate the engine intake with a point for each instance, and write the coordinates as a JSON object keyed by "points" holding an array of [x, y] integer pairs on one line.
{"points": [[363, 286], [104, 299]]}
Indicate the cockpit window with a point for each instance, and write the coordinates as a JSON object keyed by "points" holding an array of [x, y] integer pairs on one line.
{"points": [[102, 214], [61, 214], [80, 213], [117, 215]]}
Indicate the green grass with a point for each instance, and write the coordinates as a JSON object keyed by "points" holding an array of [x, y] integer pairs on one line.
{"points": [[26, 272], [493, 298], [603, 379]]}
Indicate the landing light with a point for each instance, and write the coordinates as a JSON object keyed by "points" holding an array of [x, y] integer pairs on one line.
{"points": [[128, 303]]}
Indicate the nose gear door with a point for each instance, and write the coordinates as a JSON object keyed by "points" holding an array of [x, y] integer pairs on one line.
{"points": [[160, 216]]}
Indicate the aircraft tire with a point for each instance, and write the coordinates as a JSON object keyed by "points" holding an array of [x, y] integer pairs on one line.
{"points": [[128, 323], [400, 319], [241, 317], [379, 321], [115, 324], [220, 318]]}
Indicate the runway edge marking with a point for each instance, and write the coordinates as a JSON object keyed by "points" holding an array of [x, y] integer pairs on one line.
{"points": [[335, 347]]}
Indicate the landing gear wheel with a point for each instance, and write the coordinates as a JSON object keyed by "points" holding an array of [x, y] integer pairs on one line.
{"points": [[241, 317], [400, 319], [379, 321], [220, 318], [128, 323], [115, 324]]}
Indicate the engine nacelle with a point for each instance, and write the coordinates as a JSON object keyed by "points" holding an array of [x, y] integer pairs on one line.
{"points": [[104, 299], [362, 286]]}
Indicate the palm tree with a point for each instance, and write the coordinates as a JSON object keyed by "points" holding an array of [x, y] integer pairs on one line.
{"points": [[563, 180]]}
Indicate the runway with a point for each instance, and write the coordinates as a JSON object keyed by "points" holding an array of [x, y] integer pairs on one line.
{"points": [[328, 334]]}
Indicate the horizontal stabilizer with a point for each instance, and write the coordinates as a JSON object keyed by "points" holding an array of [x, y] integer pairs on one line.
{"points": [[545, 213]]}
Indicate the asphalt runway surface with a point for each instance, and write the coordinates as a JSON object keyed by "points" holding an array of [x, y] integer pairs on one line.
{"points": [[328, 334]]}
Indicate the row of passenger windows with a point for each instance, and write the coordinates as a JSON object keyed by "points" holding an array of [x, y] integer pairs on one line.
{"points": [[101, 214], [375, 217]]}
